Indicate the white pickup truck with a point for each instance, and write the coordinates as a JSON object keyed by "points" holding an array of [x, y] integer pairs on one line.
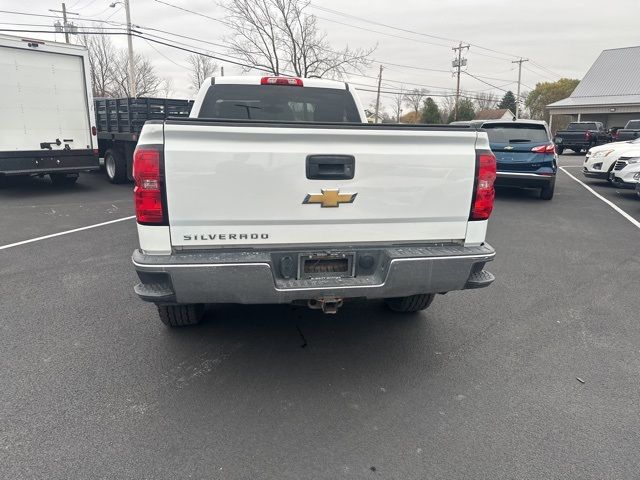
{"points": [[276, 190]]}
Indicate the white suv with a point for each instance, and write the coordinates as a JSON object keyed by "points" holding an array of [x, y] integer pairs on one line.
{"points": [[600, 160], [626, 170]]}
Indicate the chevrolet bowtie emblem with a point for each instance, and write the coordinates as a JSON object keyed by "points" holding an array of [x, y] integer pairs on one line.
{"points": [[330, 198], [508, 147]]}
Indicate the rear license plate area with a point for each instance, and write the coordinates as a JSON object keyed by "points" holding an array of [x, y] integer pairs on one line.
{"points": [[326, 266]]}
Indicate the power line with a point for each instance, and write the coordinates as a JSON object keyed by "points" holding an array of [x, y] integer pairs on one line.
{"points": [[367, 87], [373, 22], [487, 83], [163, 55], [381, 33], [539, 74], [546, 69], [331, 51], [193, 12]]}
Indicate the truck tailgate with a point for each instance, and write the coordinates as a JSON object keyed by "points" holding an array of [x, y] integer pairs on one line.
{"points": [[234, 184]]}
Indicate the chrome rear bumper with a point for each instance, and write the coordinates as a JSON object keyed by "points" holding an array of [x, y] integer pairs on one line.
{"points": [[254, 277]]}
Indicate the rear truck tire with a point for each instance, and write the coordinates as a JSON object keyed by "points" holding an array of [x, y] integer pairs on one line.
{"points": [[560, 150], [115, 165], [546, 193], [410, 304], [63, 179], [181, 315], [577, 150]]}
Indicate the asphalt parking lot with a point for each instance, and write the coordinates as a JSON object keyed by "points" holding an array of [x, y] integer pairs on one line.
{"points": [[535, 377]]}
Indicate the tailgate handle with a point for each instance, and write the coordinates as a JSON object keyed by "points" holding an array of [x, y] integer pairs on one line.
{"points": [[331, 167]]}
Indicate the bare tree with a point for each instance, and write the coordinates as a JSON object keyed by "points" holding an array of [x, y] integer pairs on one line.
{"points": [[383, 116], [147, 82], [414, 99], [166, 87], [280, 37], [486, 100], [447, 106], [101, 62], [396, 104], [202, 67]]}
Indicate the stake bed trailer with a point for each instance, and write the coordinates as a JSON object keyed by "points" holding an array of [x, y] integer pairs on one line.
{"points": [[120, 122]]}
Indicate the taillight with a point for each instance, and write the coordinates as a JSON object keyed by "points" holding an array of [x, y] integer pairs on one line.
{"points": [[290, 81], [484, 194], [147, 192], [94, 131], [550, 148], [587, 135], [96, 152]]}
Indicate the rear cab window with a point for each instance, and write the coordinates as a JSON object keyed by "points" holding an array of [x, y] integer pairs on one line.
{"points": [[516, 133], [279, 103], [582, 127]]}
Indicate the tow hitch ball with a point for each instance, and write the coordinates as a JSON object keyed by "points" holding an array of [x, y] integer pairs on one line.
{"points": [[328, 305]]}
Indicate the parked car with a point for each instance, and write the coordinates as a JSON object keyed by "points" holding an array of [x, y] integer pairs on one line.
{"points": [[600, 161], [579, 136], [276, 190], [627, 170], [525, 154], [47, 123], [120, 121], [467, 123], [630, 132], [613, 131]]}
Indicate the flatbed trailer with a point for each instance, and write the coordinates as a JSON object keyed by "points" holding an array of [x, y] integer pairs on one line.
{"points": [[119, 122]]}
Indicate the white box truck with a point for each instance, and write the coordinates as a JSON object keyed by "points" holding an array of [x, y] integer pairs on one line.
{"points": [[47, 122]]}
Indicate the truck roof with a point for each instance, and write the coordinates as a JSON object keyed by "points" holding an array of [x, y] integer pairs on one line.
{"points": [[257, 79], [520, 121], [12, 40]]}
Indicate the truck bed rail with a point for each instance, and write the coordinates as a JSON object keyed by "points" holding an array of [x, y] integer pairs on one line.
{"points": [[128, 115]]}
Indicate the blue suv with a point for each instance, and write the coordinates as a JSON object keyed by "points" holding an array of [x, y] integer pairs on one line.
{"points": [[525, 154]]}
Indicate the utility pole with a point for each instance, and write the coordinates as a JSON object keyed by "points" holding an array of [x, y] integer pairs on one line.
{"points": [[458, 63], [66, 26], [375, 119], [222, 71], [519, 62], [132, 71]]}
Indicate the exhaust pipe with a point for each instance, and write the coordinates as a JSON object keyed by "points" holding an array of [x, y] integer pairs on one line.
{"points": [[328, 305]]}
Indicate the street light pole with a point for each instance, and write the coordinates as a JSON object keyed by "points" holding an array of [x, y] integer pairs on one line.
{"points": [[132, 69], [132, 72]]}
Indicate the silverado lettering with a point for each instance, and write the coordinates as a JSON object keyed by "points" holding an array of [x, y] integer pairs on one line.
{"points": [[226, 236]]}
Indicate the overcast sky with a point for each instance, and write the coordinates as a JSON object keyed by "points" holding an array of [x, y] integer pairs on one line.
{"points": [[561, 38]]}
